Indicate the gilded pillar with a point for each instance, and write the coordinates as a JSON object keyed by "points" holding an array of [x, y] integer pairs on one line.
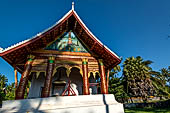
{"points": [[85, 77], [24, 78], [102, 76], [48, 79]]}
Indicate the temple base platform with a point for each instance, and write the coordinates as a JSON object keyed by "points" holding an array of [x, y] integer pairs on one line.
{"points": [[65, 104]]}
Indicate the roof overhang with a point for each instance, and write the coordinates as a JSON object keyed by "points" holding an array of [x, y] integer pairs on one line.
{"points": [[71, 21]]}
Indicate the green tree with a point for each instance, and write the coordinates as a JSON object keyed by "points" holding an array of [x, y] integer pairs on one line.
{"points": [[136, 75], [10, 92], [160, 81], [3, 84], [116, 87], [114, 72], [7, 91]]}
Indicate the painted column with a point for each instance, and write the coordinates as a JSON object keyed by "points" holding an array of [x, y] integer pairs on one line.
{"points": [[16, 77], [108, 72], [85, 77], [48, 79], [102, 76], [24, 78]]}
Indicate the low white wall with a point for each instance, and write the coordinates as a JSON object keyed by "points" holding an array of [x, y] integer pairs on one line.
{"points": [[65, 104]]}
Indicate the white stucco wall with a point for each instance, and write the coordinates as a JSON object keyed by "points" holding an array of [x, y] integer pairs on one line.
{"points": [[75, 77], [36, 84]]}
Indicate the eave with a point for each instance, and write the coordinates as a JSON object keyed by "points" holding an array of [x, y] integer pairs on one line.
{"points": [[71, 21]]}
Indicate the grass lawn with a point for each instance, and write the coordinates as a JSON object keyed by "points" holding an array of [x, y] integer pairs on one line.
{"points": [[147, 110]]}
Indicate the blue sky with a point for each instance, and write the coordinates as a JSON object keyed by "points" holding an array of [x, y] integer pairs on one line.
{"points": [[127, 27]]}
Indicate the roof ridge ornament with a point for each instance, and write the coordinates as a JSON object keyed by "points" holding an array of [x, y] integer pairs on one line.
{"points": [[73, 6]]}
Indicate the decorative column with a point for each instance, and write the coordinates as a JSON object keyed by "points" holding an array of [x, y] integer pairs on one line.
{"points": [[48, 79], [85, 77], [16, 77], [108, 72], [24, 78], [102, 76]]}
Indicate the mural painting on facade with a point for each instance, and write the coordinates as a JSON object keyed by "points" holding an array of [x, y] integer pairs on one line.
{"points": [[68, 42]]}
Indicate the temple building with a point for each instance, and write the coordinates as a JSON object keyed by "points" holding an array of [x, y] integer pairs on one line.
{"points": [[65, 59]]}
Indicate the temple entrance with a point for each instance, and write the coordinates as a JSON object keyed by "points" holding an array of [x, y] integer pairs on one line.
{"points": [[59, 81], [76, 80], [94, 83]]}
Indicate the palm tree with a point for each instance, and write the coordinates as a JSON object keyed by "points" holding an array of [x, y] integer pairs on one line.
{"points": [[160, 81], [137, 77]]}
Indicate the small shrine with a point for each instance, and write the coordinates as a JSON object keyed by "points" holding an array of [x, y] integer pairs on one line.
{"points": [[64, 60]]}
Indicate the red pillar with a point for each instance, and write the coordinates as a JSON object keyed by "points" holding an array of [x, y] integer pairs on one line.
{"points": [[48, 79], [24, 78], [103, 78], [85, 77]]}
